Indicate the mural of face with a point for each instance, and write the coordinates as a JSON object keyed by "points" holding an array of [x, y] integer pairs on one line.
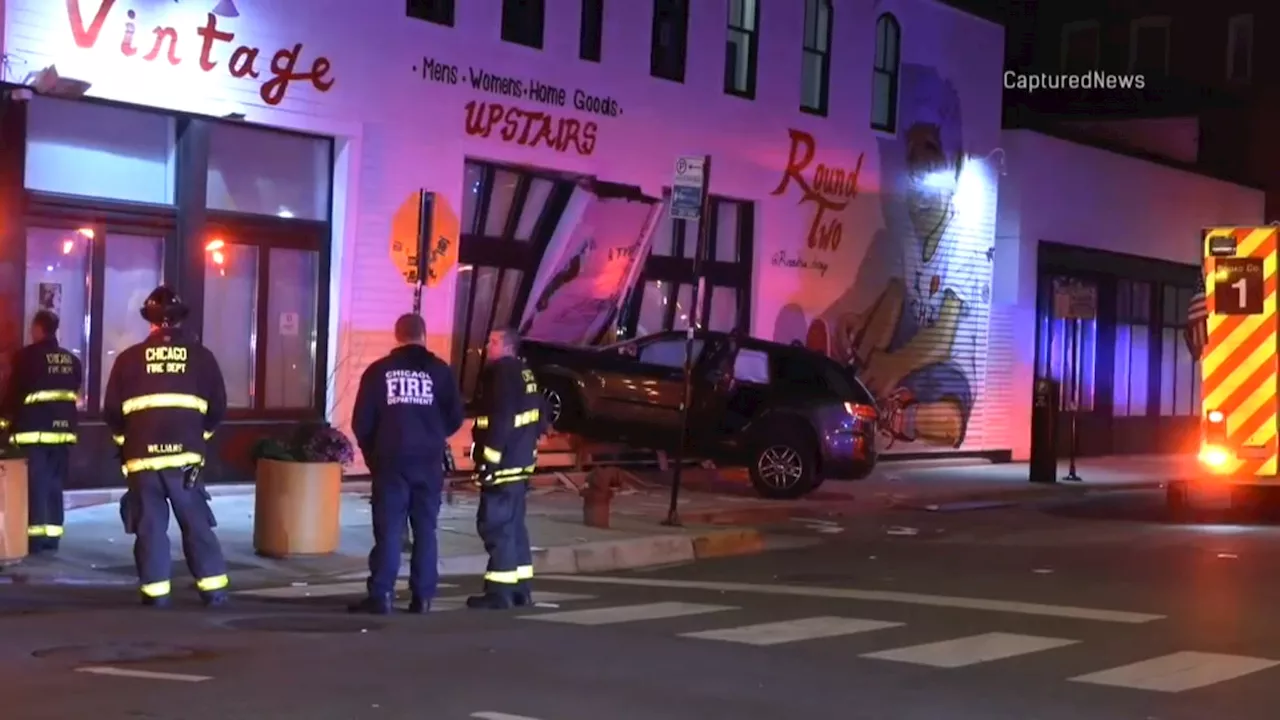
{"points": [[902, 326]]}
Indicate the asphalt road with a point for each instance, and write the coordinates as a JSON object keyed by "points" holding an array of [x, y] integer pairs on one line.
{"points": [[1092, 610]]}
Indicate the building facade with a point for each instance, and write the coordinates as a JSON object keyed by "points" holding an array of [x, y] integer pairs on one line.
{"points": [[266, 158]]}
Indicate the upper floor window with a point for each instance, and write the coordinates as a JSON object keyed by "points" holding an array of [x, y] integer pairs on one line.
{"points": [[816, 71], [1149, 46], [740, 48], [670, 39], [1080, 46], [884, 80], [439, 12], [592, 31], [522, 22], [1240, 48]]}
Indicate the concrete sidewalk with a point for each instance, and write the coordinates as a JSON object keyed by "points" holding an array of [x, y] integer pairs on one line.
{"points": [[95, 550]]}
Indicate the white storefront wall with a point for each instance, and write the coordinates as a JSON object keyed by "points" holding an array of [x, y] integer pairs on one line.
{"points": [[906, 277]]}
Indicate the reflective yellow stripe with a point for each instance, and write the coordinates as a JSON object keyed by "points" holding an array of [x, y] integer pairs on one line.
{"points": [[515, 471], [42, 438], [491, 455], [524, 572], [43, 396], [164, 400], [510, 479], [118, 438], [503, 577], [162, 462], [482, 422], [156, 589], [53, 531], [208, 434], [528, 417], [35, 531], [3, 423], [209, 584]]}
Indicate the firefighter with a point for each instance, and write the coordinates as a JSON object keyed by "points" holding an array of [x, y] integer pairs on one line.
{"points": [[163, 401], [406, 408], [39, 410], [505, 453]]}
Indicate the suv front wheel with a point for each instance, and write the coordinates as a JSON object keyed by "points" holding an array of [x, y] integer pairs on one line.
{"points": [[784, 465]]}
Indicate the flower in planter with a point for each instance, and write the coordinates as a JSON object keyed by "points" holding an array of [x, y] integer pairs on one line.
{"points": [[311, 443]]}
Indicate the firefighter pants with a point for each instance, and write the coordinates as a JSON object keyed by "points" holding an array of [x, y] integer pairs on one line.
{"points": [[46, 476], [501, 525], [146, 511], [411, 492]]}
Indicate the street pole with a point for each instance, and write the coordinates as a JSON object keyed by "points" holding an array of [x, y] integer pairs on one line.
{"points": [[695, 317], [1074, 394], [426, 202]]}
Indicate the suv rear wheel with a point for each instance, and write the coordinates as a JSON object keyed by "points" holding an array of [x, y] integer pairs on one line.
{"points": [[784, 464], [561, 403]]}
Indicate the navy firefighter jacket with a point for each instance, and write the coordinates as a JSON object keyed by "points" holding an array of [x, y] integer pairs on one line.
{"points": [[164, 398], [39, 405], [407, 407], [510, 420]]}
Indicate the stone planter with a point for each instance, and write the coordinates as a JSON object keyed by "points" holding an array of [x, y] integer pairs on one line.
{"points": [[296, 508], [13, 510]]}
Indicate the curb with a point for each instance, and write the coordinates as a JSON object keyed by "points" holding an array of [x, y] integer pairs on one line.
{"points": [[592, 557], [1014, 495], [629, 554]]}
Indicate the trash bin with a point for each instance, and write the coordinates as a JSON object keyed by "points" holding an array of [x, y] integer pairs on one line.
{"points": [[1044, 432], [13, 510], [296, 508]]}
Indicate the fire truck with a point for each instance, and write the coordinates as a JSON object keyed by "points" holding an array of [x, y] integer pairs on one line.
{"points": [[1238, 364]]}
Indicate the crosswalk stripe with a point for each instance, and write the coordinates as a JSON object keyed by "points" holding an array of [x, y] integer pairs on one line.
{"points": [[777, 633], [628, 613], [1178, 672], [970, 650]]}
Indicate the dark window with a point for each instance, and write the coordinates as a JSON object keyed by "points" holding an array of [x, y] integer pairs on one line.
{"points": [[1080, 47], [815, 73], [670, 39], [1149, 46], [591, 33], [741, 44], [1240, 48], [663, 296], [235, 216], [884, 76], [1131, 385], [523, 21], [508, 216], [805, 370], [1179, 372], [439, 12]]}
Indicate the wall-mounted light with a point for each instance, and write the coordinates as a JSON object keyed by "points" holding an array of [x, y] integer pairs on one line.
{"points": [[998, 154], [226, 8]]}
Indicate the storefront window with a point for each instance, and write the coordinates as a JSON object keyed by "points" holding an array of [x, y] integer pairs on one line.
{"points": [[101, 151], [262, 172], [663, 299], [291, 331], [133, 267], [58, 279], [230, 318], [508, 216]]}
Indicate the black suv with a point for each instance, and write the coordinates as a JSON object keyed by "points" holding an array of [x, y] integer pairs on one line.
{"points": [[792, 416]]}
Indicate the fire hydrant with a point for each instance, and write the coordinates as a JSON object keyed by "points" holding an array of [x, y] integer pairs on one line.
{"points": [[597, 495]]}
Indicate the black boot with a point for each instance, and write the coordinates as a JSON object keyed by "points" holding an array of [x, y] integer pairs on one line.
{"points": [[523, 596], [161, 602], [373, 605], [490, 601], [419, 605], [215, 599]]}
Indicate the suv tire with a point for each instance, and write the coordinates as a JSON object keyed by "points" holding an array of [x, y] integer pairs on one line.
{"points": [[562, 403], [784, 463]]}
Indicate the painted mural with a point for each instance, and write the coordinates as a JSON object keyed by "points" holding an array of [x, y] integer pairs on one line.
{"points": [[914, 321]]}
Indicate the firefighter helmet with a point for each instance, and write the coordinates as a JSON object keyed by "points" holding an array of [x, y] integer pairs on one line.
{"points": [[164, 307]]}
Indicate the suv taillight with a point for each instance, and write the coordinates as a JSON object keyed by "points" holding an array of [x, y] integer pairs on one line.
{"points": [[861, 412]]}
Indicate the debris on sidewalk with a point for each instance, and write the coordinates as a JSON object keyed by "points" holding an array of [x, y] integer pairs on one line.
{"points": [[896, 530]]}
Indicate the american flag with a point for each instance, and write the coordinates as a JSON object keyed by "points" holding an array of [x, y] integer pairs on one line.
{"points": [[1197, 331]]}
